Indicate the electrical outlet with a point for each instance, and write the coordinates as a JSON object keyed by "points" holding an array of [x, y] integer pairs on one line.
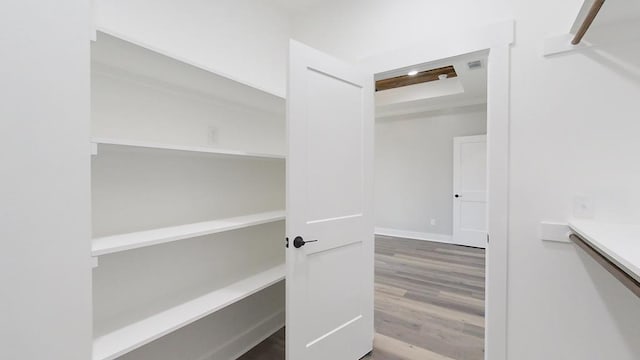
{"points": [[582, 207], [433, 222]]}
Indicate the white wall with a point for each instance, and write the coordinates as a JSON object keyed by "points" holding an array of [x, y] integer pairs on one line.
{"points": [[248, 40], [45, 270], [414, 168], [573, 131]]}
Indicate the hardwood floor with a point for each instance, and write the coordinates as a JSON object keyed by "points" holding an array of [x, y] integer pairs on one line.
{"points": [[429, 301], [270, 349], [429, 304]]}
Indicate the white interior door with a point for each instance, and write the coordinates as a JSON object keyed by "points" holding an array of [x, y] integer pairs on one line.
{"points": [[470, 190], [329, 201]]}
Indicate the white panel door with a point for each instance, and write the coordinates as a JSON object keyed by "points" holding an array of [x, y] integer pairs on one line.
{"points": [[329, 202], [470, 190]]}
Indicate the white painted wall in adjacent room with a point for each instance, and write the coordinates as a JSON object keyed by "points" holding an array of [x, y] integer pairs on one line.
{"points": [[573, 132], [414, 168], [45, 269], [247, 40]]}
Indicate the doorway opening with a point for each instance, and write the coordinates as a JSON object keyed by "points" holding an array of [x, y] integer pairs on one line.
{"points": [[430, 257], [495, 40], [431, 210]]}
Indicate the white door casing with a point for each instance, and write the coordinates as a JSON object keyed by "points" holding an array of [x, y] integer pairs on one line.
{"points": [[329, 199], [470, 190]]}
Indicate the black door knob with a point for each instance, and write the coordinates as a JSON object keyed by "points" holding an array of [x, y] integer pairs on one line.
{"points": [[456, 195], [299, 242]]}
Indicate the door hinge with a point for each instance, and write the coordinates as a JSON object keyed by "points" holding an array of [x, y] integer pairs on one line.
{"points": [[287, 243], [487, 238]]}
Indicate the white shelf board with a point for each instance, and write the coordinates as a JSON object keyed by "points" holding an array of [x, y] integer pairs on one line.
{"points": [[144, 61], [196, 149], [617, 242], [123, 242], [135, 335]]}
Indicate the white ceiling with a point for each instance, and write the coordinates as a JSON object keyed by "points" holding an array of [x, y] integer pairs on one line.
{"points": [[468, 88]]}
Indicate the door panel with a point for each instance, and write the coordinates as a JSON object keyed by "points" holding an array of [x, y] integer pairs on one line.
{"points": [[473, 216], [473, 164], [469, 185], [329, 199], [334, 145]]}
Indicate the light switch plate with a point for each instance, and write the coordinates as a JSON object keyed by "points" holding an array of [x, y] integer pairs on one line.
{"points": [[553, 231]]}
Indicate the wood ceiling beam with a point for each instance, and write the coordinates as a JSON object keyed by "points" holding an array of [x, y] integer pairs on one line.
{"points": [[421, 77]]}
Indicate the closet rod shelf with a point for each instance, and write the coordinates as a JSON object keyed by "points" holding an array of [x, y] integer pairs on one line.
{"points": [[123, 242], [133, 336], [194, 149], [615, 247], [587, 21]]}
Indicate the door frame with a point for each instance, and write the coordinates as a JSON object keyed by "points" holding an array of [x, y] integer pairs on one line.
{"points": [[497, 39]]}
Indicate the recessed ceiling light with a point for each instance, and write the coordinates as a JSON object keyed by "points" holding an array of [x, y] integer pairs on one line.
{"points": [[412, 72], [442, 76]]}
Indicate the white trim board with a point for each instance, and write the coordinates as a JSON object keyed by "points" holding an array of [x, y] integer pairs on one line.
{"points": [[414, 235]]}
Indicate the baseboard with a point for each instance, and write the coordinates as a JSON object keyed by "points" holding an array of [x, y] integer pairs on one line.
{"points": [[248, 339], [414, 235]]}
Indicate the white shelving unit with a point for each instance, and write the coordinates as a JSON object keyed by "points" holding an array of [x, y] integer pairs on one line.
{"points": [[123, 242], [194, 149], [183, 153], [617, 242], [124, 54], [121, 341]]}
